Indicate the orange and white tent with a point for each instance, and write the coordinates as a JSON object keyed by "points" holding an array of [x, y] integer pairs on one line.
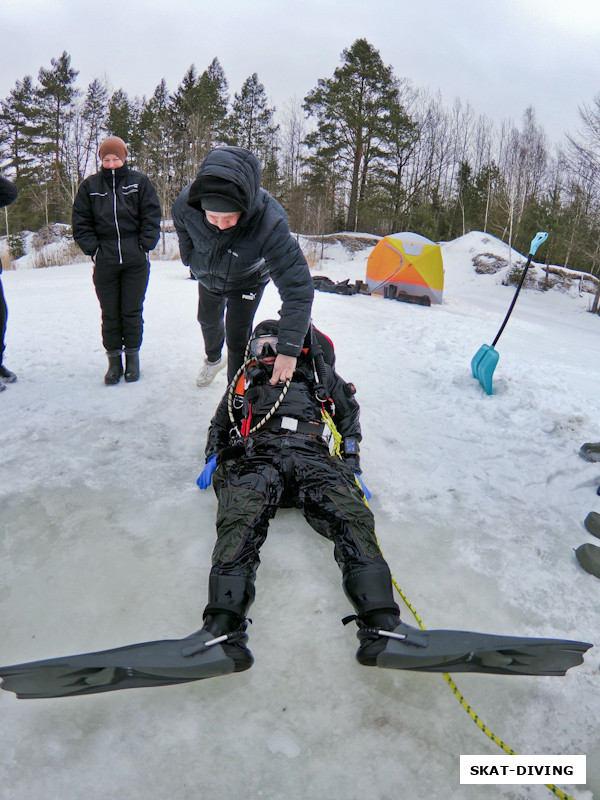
{"points": [[406, 266]]}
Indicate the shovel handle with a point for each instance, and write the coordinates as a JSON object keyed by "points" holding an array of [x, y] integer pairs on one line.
{"points": [[539, 239], [536, 242]]}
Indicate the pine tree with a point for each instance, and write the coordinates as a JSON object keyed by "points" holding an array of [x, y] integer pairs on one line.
{"points": [[94, 113], [121, 117], [199, 112], [251, 125], [20, 131], [155, 135], [56, 96], [386, 195], [353, 114], [185, 128], [213, 102], [20, 127], [154, 132]]}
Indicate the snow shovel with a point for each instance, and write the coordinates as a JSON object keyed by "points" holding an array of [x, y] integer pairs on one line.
{"points": [[485, 359]]}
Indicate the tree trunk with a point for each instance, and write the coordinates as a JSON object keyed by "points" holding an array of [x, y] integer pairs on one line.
{"points": [[352, 205]]}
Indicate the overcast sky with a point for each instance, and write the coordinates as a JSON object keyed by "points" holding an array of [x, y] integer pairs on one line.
{"points": [[500, 56]]}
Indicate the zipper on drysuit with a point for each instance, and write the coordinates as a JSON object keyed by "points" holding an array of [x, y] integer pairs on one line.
{"points": [[115, 215]]}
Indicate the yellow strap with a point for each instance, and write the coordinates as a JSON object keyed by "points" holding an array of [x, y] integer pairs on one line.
{"points": [[335, 434]]}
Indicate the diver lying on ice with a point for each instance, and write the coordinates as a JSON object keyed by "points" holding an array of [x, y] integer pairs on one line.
{"points": [[268, 447]]}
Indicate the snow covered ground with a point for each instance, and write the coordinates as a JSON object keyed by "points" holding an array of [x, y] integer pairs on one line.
{"points": [[105, 540]]}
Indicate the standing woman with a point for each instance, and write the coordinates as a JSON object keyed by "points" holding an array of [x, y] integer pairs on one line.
{"points": [[116, 221]]}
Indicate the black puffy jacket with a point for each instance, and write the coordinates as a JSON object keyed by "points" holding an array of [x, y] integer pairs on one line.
{"points": [[116, 216], [300, 403], [259, 247]]}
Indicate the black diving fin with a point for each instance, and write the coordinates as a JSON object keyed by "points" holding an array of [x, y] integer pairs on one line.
{"points": [[160, 663], [465, 651]]}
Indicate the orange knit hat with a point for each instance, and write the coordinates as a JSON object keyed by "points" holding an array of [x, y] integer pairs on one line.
{"points": [[113, 146]]}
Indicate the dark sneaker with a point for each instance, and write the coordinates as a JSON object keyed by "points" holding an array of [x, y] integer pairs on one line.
{"points": [[6, 376]]}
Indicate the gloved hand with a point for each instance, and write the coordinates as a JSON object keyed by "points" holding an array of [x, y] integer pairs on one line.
{"points": [[353, 462], [205, 477], [366, 492]]}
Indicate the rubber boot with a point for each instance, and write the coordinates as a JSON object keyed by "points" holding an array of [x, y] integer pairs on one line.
{"points": [[132, 367], [371, 593], [371, 644], [234, 628], [370, 588], [229, 594], [229, 598], [115, 370]]}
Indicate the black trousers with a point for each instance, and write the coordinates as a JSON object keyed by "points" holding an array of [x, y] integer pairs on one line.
{"points": [[121, 290], [3, 319], [293, 470], [227, 317]]}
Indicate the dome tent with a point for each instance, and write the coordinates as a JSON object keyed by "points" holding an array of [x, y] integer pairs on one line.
{"points": [[406, 266]]}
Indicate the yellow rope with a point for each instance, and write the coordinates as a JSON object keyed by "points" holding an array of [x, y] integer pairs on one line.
{"points": [[336, 451], [455, 690], [460, 697]]}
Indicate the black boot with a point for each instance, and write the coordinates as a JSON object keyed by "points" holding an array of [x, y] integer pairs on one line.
{"points": [[132, 367], [371, 593], [115, 370], [371, 644], [6, 376], [234, 628]]}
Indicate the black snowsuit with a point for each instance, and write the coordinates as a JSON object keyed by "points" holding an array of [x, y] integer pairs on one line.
{"points": [[8, 194], [283, 468], [116, 221], [233, 266]]}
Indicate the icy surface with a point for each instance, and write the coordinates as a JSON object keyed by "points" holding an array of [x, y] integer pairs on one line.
{"points": [[479, 500]]}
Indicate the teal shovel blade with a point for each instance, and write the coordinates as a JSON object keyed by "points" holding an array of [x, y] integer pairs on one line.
{"points": [[483, 365]]}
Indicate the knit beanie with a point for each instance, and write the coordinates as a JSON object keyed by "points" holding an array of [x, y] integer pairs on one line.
{"points": [[210, 193], [113, 146]]}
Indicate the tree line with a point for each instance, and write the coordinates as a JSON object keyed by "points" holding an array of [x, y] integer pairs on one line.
{"points": [[363, 151]]}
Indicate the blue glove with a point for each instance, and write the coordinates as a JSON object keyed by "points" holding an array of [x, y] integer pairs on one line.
{"points": [[205, 477], [366, 492]]}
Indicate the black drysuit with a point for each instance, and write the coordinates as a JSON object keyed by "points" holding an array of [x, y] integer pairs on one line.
{"points": [[280, 467], [116, 221]]}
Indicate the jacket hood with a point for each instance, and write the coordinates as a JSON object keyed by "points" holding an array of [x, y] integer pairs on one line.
{"points": [[229, 175]]}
